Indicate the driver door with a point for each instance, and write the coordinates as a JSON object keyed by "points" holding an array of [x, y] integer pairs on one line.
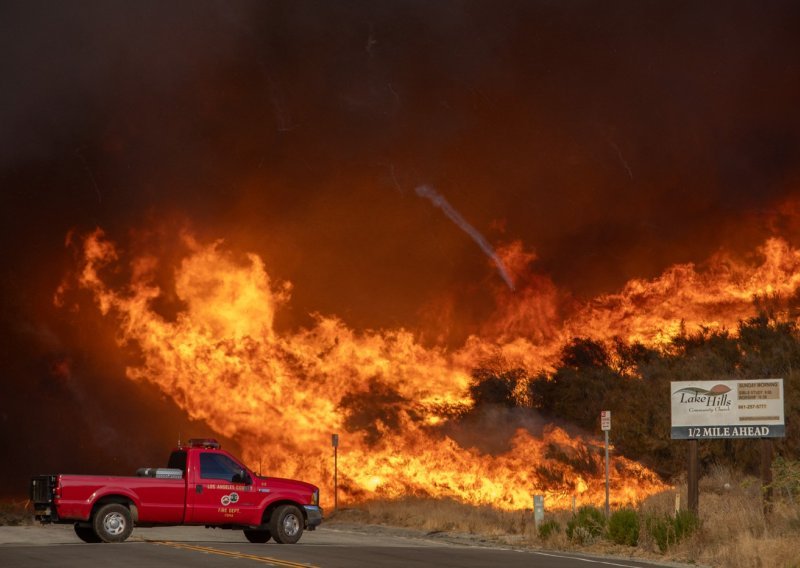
{"points": [[215, 497]]}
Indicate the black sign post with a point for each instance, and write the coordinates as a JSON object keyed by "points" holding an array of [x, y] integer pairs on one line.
{"points": [[693, 480], [335, 444], [766, 473]]}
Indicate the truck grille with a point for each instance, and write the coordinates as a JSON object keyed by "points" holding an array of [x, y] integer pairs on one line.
{"points": [[42, 487]]}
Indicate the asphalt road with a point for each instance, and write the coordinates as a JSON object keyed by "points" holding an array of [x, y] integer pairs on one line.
{"points": [[327, 547]]}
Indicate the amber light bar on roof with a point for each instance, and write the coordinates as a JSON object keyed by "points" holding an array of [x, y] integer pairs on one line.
{"points": [[204, 443]]}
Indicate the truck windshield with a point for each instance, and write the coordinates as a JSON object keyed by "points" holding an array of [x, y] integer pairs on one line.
{"points": [[218, 466]]}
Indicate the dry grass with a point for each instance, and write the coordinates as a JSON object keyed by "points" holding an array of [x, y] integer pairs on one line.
{"points": [[439, 515], [15, 513], [734, 532]]}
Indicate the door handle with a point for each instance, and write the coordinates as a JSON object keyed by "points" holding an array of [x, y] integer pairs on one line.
{"points": [[198, 488]]}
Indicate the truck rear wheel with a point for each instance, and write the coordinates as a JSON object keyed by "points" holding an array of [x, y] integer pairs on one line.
{"points": [[286, 524], [257, 535], [113, 523], [86, 533]]}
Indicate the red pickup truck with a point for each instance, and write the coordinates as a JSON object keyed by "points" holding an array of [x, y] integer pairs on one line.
{"points": [[201, 485]]}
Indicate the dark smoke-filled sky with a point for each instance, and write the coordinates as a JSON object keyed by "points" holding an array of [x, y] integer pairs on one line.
{"points": [[611, 138]]}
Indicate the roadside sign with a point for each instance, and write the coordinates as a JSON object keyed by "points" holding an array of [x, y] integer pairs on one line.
{"points": [[605, 420], [727, 409], [605, 425], [335, 440]]}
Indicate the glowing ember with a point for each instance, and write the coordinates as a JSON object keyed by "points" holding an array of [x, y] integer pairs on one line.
{"points": [[282, 395]]}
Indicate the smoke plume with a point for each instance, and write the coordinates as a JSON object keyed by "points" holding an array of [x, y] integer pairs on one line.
{"points": [[614, 139], [439, 201]]}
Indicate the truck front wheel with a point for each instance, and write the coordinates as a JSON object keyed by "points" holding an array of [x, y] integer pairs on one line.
{"points": [[113, 523], [286, 524]]}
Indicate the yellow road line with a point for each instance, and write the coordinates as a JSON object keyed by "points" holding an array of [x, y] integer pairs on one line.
{"points": [[208, 550]]}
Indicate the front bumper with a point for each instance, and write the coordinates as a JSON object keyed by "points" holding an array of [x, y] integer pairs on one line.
{"points": [[313, 516]]}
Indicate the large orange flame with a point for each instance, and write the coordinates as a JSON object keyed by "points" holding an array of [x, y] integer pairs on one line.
{"points": [[283, 394]]}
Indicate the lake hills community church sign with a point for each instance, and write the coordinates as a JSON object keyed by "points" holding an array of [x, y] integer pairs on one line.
{"points": [[727, 409]]}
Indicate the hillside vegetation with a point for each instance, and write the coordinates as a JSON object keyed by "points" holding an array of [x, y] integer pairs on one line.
{"points": [[633, 381]]}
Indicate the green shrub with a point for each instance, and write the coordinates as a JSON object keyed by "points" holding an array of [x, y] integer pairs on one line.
{"points": [[586, 525], [786, 478], [660, 529], [623, 527], [668, 531], [685, 523], [548, 529]]}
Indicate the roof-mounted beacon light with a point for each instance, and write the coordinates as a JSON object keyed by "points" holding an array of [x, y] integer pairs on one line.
{"points": [[204, 443]]}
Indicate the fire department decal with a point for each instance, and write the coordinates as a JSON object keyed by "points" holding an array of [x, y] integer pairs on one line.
{"points": [[229, 499]]}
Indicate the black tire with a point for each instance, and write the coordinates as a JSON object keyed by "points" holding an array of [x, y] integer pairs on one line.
{"points": [[113, 523], [286, 524], [257, 535], [86, 533]]}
